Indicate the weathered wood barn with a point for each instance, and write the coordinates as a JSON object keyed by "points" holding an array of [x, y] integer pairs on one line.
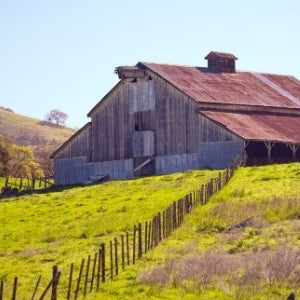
{"points": [[163, 118]]}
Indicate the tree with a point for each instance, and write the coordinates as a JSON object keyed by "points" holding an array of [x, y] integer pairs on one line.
{"points": [[17, 161], [5, 155], [57, 117], [23, 164], [42, 156]]}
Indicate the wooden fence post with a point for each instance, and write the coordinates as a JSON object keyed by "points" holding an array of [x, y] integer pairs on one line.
{"points": [[164, 224], [139, 240], [127, 248], [123, 251], [70, 282], [93, 271], [152, 233], [149, 234], [133, 247], [87, 271], [103, 262], [54, 283], [99, 269], [146, 235], [15, 289], [49, 286], [111, 260], [35, 288], [2, 290], [79, 279], [159, 227], [116, 257]]}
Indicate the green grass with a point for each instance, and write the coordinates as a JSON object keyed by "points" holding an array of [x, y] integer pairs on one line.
{"points": [[270, 196], [40, 230], [2, 182], [26, 130]]}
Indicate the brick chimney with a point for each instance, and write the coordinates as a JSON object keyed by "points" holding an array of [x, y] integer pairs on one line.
{"points": [[220, 62]]}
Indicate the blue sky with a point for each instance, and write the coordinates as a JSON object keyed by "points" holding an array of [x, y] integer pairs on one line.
{"points": [[62, 53]]}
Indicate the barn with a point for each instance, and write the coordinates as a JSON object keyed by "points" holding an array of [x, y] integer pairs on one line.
{"points": [[162, 118]]}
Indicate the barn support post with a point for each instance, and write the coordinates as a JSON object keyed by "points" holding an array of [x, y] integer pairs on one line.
{"points": [[294, 148], [269, 146]]}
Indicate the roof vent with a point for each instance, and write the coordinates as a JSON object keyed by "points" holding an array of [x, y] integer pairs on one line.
{"points": [[221, 62]]}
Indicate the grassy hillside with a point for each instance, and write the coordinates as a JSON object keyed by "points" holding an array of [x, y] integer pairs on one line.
{"points": [[38, 231], [244, 244], [29, 131]]}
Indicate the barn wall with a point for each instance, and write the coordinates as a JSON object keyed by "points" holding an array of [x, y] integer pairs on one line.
{"points": [[179, 127], [216, 155], [113, 122], [79, 145], [77, 170], [115, 169], [176, 163], [69, 170]]}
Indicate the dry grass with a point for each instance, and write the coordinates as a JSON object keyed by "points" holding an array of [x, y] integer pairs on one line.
{"points": [[247, 270]]}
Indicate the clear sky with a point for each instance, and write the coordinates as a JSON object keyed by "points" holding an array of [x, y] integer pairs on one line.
{"points": [[62, 53]]}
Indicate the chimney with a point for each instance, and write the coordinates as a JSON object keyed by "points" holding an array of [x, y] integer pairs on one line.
{"points": [[220, 62]]}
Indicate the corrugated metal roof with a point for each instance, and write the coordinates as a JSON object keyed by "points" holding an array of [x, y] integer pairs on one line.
{"points": [[258, 126], [229, 88]]}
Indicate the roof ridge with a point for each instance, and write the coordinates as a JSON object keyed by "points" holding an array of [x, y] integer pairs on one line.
{"points": [[199, 68]]}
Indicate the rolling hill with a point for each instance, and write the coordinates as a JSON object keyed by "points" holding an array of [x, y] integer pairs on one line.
{"points": [[62, 226], [24, 130], [244, 244]]}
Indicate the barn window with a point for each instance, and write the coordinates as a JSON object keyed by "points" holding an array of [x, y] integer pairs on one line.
{"points": [[136, 127], [143, 143], [142, 96]]}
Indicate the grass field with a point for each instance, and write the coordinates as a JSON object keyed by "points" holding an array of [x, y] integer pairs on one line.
{"points": [[40, 230], [215, 255]]}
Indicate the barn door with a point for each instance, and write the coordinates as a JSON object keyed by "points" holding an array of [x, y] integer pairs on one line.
{"points": [[143, 153]]}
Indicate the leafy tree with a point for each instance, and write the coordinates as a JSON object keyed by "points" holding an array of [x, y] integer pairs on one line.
{"points": [[23, 164], [57, 117], [5, 155], [17, 161]]}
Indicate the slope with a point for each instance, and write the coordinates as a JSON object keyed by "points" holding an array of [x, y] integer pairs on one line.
{"points": [[244, 244], [40, 230], [25, 130]]}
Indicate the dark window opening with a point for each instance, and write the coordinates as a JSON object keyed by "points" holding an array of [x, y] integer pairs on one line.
{"points": [[134, 80], [150, 78], [136, 127]]}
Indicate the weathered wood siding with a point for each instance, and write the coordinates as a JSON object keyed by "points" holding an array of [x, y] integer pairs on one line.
{"points": [[127, 108], [179, 127], [78, 145]]}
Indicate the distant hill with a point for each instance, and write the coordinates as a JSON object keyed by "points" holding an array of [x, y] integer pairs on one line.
{"points": [[24, 130]]}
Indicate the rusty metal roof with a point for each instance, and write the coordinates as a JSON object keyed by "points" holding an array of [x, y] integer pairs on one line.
{"points": [[259, 127], [231, 88]]}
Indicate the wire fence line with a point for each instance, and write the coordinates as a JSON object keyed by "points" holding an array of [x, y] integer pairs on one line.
{"points": [[122, 251]]}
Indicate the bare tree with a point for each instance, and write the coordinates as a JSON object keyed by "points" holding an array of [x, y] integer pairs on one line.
{"points": [[57, 117]]}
